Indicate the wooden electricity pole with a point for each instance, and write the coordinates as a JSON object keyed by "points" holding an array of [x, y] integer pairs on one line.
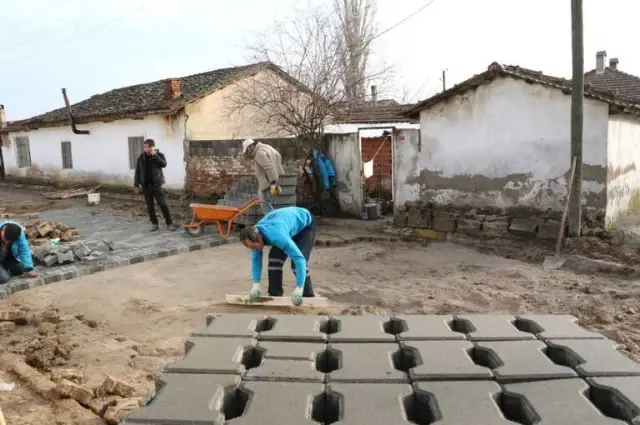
{"points": [[577, 96]]}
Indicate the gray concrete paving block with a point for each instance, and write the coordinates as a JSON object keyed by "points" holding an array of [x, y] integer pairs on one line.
{"points": [[361, 329], [428, 327], [291, 350], [518, 361], [231, 325], [186, 399], [285, 371], [443, 360], [278, 403], [550, 326], [458, 403], [366, 363], [370, 403], [618, 396], [559, 402], [212, 355], [295, 328], [487, 327], [592, 357]]}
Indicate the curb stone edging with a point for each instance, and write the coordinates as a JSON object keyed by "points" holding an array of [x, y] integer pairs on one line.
{"points": [[22, 284]]}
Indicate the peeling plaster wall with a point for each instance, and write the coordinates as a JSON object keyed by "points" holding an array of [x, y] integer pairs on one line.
{"points": [[344, 151], [623, 169], [506, 144]]}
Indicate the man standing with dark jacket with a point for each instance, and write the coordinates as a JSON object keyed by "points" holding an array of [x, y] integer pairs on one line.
{"points": [[149, 179]]}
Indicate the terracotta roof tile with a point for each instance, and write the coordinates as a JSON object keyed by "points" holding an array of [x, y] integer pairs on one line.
{"points": [[383, 111], [615, 81]]}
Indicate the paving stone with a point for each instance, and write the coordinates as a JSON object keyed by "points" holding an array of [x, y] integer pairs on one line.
{"points": [[445, 360], [549, 326], [278, 403], [361, 329], [282, 370], [491, 328], [295, 328], [366, 363], [428, 327], [370, 403], [622, 393], [291, 350], [231, 325], [593, 357], [185, 398], [212, 355], [561, 402], [461, 403], [519, 361], [523, 226]]}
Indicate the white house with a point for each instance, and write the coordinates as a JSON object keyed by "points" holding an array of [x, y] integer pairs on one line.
{"points": [[502, 138], [173, 112]]}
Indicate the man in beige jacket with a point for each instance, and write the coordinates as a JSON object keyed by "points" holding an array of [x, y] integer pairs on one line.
{"points": [[267, 163]]}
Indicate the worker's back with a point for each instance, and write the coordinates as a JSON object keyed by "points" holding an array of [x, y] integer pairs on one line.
{"points": [[288, 220]]}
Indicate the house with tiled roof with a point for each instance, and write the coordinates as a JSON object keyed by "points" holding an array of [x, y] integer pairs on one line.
{"points": [[191, 114], [612, 78], [502, 139]]}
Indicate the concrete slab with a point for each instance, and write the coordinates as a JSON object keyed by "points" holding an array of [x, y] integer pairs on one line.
{"points": [[460, 403], [622, 394], [445, 360], [370, 403], [278, 403], [231, 325], [291, 350], [361, 329], [428, 327], [592, 357], [518, 361], [295, 328], [186, 399], [212, 355], [285, 371], [561, 402], [481, 327], [549, 326], [366, 363]]}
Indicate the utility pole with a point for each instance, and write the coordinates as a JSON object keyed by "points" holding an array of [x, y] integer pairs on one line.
{"points": [[3, 124], [577, 96]]}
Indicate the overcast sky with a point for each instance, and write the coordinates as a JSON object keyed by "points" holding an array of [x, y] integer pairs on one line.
{"points": [[49, 44]]}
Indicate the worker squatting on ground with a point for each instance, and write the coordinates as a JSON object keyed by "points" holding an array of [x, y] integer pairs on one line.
{"points": [[267, 163], [291, 232], [15, 253]]}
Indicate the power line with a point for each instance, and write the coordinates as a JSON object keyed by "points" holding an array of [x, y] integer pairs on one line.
{"points": [[6, 29], [403, 20]]}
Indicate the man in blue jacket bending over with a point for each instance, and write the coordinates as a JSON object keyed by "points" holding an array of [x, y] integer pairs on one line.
{"points": [[15, 254], [291, 232]]}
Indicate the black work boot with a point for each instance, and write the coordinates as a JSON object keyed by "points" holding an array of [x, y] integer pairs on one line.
{"points": [[172, 227], [155, 227]]}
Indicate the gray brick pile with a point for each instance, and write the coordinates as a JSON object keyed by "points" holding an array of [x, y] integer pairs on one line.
{"points": [[358, 370]]}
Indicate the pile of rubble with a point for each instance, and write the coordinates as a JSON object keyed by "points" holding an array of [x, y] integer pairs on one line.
{"points": [[50, 254], [40, 232]]}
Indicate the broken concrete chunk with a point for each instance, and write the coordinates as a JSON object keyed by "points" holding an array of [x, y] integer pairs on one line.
{"points": [[81, 251], [65, 257], [523, 227], [73, 375], [113, 386], [68, 389], [44, 229], [469, 227], [444, 224], [122, 408]]}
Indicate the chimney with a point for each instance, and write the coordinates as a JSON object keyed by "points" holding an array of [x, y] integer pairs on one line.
{"points": [[3, 117], [171, 88], [374, 95], [600, 58], [613, 63]]}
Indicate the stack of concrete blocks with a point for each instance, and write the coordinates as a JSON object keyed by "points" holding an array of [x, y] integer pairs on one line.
{"points": [[247, 369], [246, 189]]}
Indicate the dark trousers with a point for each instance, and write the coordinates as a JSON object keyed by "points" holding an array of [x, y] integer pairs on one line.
{"points": [[9, 268], [304, 241], [155, 192]]}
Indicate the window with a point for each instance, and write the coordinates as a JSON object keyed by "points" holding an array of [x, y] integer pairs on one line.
{"points": [[23, 152], [67, 159], [136, 145]]}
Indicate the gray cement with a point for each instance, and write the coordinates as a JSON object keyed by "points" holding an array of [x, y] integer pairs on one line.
{"points": [[435, 327], [480, 327], [361, 329], [549, 326], [593, 357], [368, 363], [227, 325], [213, 355], [295, 328], [446, 360]]}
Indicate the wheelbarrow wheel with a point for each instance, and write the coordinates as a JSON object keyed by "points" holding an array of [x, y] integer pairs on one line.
{"points": [[195, 231]]}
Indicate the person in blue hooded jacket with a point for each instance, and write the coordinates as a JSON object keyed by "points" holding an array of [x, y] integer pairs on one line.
{"points": [[290, 232], [15, 253]]}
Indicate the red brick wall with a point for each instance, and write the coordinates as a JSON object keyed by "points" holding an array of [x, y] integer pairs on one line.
{"points": [[382, 166]]}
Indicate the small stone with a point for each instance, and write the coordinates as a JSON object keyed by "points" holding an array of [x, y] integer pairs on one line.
{"points": [[619, 317], [114, 414], [68, 389], [73, 375], [49, 316], [469, 227], [44, 229], [113, 386], [46, 328], [150, 364], [630, 310], [7, 327], [16, 316], [65, 257]]}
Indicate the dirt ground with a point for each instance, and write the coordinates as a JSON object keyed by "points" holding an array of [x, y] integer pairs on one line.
{"points": [[128, 323]]}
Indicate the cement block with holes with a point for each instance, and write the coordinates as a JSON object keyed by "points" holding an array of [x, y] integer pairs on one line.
{"points": [[550, 326], [559, 402], [212, 355], [366, 363], [291, 350], [295, 328], [444, 360], [278, 403], [481, 327], [186, 399], [361, 329], [622, 391], [428, 327], [282, 370], [231, 325], [517, 361], [370, 403], [457, 403], [592, 357]]}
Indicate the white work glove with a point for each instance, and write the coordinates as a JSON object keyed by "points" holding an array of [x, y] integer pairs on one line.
{"points": [[296, 296], [255, 293]]}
